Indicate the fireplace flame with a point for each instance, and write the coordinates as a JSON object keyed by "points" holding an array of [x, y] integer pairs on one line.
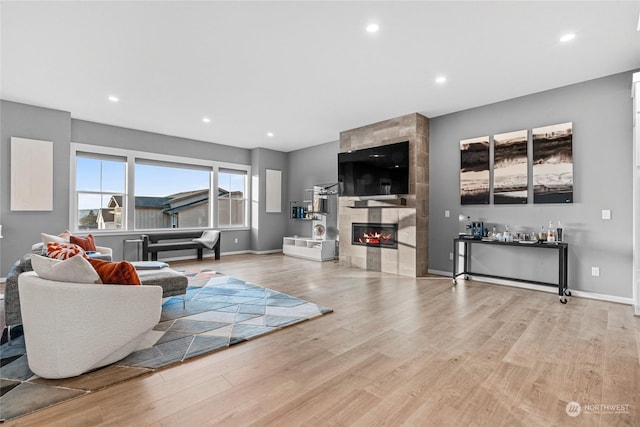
{"points": [[375, 238]]}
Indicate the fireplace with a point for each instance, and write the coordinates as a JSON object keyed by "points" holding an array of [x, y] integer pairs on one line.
{"points": [[376, 235]]}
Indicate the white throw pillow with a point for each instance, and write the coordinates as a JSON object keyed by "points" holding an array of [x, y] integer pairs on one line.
{"points": [[75, 269], [49, 238]]}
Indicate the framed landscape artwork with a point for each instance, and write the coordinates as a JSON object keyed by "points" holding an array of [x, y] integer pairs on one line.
{"points": [[510, 174], [553, 164], [474, 171]]}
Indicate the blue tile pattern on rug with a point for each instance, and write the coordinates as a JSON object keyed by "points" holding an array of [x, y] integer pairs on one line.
{"points": [[218, 312], [223, 312]]}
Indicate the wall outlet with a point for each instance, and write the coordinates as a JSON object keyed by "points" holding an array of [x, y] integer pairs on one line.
{"points": [[235, 240], [447, 213], [595, 271], [450, 256], [606, 214]]}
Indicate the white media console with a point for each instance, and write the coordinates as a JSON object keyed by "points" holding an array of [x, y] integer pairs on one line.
{"points": [[306, 247]]}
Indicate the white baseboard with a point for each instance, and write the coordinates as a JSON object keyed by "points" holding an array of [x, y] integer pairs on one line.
{"points": [[270, 251], [247, 251], [439, 272], [542, 288]]}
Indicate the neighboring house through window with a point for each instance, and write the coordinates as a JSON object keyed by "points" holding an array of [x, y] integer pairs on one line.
{"points": [[163, 192], [99, 179], [232, 199], [170, 195]]}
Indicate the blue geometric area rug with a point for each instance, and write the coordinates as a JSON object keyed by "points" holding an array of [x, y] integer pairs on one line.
{"points": [[217, 312]]}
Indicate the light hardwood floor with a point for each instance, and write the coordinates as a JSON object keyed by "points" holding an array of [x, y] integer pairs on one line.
{"points": [[396, 350]]}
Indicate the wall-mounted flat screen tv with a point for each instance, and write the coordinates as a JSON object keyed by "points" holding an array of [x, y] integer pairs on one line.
{"points": [[376, 171]]}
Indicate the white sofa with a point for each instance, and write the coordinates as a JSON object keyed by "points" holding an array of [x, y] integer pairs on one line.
{"points": [[72, 328]]}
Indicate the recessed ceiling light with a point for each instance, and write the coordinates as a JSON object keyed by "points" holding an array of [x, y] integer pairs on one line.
{"points": [[206, 119], [567, 37], [270, 134], [113, 98], [441, 79], [373, 28]]}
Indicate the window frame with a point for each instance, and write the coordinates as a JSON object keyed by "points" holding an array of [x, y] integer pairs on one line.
{"points": [[101, 193], [214, 167], [245, 198]]}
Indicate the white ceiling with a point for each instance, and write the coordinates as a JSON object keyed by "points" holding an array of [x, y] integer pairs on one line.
{"points": [[302, 70]]}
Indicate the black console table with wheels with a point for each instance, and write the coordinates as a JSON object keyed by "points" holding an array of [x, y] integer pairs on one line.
{"points": [[563, 258]]}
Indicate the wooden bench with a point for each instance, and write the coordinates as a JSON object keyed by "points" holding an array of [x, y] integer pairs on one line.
{"points": [[153, 243]]}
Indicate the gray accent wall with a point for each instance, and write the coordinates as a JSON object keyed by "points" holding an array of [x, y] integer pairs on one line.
{"points": [[602, 147], [131, 139], [113, 136], [21, 228], [308, 167], [267, 229]]}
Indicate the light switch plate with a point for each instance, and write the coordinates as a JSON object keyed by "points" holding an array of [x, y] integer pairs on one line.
{"points": [[606, 214], [447, 213], [595, 271]]}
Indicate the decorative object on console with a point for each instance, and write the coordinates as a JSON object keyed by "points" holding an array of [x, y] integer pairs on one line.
{"points": [[474, 171], [510, 167], [553, 164]]}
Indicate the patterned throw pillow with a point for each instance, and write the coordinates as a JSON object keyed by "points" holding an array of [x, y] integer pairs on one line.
{"points": [[64, 250], [116, 273], [86, 243]]}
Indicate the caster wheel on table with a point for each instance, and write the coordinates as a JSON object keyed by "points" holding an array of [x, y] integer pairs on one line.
{"points": [[567, 292], [563, 300], [454, 282], [466, 277]]}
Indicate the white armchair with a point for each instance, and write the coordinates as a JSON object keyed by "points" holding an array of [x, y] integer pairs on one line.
{"points": [[72, 328]]}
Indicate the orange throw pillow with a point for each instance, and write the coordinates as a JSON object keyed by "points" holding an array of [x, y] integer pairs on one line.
{"points": [[116, 273], [86, 243]]}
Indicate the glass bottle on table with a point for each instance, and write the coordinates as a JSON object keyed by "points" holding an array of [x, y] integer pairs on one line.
{"points": [[551, 233], [559, 232]]}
